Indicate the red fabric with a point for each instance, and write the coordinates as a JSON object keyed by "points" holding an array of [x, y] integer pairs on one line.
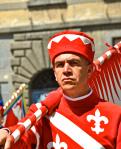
{"points": [[1, 110], [14, 115], [105, 79], [77, 112], [75, 46], [52, 100], [11, 119]]}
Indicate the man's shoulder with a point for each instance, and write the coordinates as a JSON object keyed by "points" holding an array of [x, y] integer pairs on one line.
{"points": [[110, 106]]}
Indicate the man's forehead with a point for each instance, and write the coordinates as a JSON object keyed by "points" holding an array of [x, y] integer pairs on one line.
{"points": [[68, 56]]}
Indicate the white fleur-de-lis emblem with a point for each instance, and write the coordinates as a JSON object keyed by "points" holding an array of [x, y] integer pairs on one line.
{"points": [[97, 118], [57, 144]]}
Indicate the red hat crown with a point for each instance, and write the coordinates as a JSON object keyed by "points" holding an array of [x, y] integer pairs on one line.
{"points": [[71, 41]]}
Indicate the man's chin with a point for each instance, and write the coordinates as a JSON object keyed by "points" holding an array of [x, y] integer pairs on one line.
{"points": [[68, 87]]}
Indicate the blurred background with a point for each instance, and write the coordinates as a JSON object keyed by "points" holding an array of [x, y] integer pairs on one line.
{"points": [[25, 27]]}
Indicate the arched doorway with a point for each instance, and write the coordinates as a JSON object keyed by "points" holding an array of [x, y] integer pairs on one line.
{"points": [[41, 84]]}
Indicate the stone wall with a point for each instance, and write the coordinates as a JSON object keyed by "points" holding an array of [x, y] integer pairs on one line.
{"points": [[29, 56], [26, 14]]}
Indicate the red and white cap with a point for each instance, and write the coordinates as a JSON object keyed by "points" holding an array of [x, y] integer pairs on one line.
{"points": [[73, 42]]}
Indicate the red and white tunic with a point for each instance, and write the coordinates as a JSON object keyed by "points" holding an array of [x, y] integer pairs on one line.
{"points": [[85, 123]]}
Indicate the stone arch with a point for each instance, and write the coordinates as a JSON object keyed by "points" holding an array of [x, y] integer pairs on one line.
{"points": [[42, 82], [30, 56]]}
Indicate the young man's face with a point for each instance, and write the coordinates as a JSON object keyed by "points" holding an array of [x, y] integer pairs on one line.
{"points": [[71, 71]]}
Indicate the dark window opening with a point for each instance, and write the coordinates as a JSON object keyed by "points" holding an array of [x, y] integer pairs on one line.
{"points": [[115, 40], [41, 84]]}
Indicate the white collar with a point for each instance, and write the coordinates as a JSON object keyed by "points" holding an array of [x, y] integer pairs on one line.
{"points": [[78, 98]]}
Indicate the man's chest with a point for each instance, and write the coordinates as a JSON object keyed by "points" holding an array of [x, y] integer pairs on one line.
{"points": [[92, 130]]}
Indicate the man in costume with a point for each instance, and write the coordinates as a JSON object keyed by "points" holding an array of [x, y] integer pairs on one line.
{"points": [[81, 120]]}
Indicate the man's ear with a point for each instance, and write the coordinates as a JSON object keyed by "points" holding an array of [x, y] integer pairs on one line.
{"points": [[54, 73], [55, 76], [90, 70]]}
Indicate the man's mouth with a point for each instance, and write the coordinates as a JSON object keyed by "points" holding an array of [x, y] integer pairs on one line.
{"points": [[67, 79]]}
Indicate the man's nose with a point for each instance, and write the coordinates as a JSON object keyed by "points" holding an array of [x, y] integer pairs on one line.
{"points": [[67, 67]]}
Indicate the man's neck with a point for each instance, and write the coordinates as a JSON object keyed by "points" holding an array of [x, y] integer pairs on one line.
{"points": [[78, 92], [79, 97]]}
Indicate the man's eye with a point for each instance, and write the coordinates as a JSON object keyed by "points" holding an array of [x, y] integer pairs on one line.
{"points": [[59, 65], [74, 63]]}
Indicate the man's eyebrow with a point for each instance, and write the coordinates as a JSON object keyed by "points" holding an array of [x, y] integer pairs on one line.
{"points": [[68, 60], [74, 59], [59, 61]]}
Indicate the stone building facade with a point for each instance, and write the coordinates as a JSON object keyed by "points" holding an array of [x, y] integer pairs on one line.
{"points": [[27, 25]]}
